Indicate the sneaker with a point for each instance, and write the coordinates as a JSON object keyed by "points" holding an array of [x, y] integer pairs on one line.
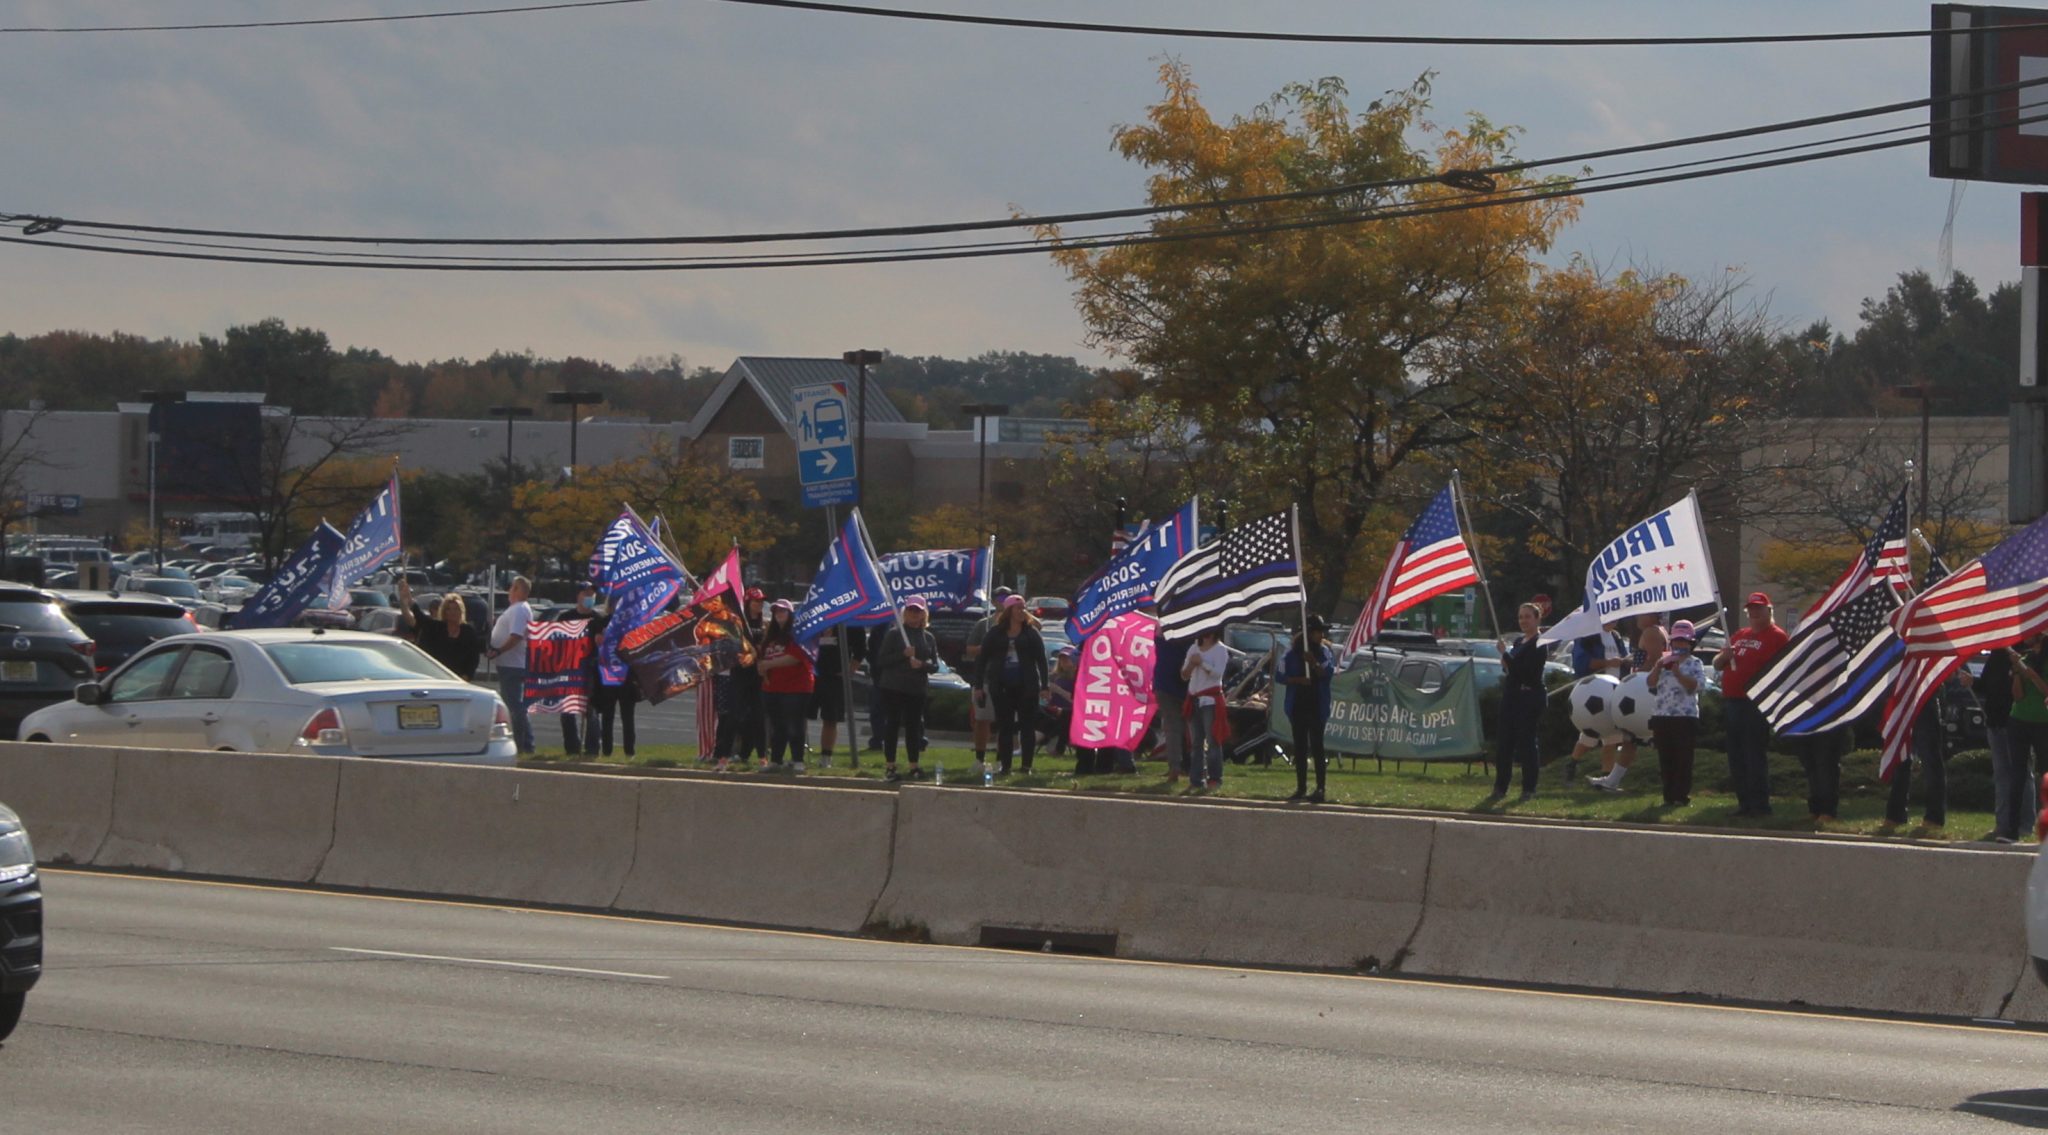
{"points": [[1495, 797], [722, 766], [1300, 794], [890, 773], [796, 767], [1605, 785], [1315, 797], [916, 773]]}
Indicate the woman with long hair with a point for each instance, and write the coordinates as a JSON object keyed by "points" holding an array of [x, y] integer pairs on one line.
{"points": [[788, 677], [1012, 669]]}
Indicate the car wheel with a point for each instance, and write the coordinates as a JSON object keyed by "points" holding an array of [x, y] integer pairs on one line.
{"points": [[38, 739], [10, 1012]]}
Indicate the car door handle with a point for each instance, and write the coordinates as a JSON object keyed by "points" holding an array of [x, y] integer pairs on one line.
{"points": [[133, 720], [209, 718]]}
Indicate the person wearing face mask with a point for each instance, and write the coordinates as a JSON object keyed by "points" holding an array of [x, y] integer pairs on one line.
{"points": [[1675, 681], [788, 677]]}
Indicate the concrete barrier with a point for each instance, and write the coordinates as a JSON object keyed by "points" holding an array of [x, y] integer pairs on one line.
{"points": [[536, 837], [767, 855], [245, 815], [1180, 881], [64, 793], [1828, 923]]}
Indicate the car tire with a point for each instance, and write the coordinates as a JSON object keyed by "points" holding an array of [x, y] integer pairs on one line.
{"points": [[38, 739], [10, 1012]]}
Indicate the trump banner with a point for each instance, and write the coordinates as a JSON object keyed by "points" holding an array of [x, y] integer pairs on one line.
{"points": [[373, 539], [1126, 582], [681, 650], [849, 587], [1659, 565], [302, 579], [1113, 702], [948, 580], [638, 577], [557, 651]]}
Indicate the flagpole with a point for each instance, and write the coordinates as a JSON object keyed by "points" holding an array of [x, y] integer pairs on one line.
{"points": [[1713, 577], [860, 524], [1464, 518], [1294, 513]]}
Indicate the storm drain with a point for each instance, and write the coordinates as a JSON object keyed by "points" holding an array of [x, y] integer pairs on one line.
{"points": [[1049, 941]]}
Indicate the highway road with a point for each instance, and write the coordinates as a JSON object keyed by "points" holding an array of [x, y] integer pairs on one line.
{"points": [[174, 1006]]}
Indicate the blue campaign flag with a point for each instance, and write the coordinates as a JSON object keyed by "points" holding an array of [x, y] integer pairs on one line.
{"points": [[628, 555], [849, 587], [373, 540], [630, 610], [946, 580], [1126, 582], [303, 577]]}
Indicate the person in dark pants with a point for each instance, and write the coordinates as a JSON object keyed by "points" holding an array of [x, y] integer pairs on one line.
{"points": [[1169, 689], [742, 720], [828, 697], [1675, 681], [1927, 753], [1306, 670], [1820, 754], [1011, 667], [1749, 651], [1521, 706], [904, 658], [2027, 725], [2011, 788], [787, 679]]}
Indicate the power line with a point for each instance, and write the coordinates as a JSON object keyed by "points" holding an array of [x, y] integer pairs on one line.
{"points": [[1024, 23], [1531, 195], [1071, 218]]}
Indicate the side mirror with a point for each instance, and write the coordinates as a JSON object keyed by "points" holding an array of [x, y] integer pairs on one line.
{"points": [[89, 693]]}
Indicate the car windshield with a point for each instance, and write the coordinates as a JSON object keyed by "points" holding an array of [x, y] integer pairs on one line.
{"points": [[174, 588], [352, 660], [29, 616]]}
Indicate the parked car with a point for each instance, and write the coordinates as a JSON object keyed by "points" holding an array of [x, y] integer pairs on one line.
{"points": [[176, 590], [318, 692], [43, 654], [121, 624], [1047, 608], [21, 920]]}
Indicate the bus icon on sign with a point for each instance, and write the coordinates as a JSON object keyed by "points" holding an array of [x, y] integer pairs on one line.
{"points": [[828, 419]]}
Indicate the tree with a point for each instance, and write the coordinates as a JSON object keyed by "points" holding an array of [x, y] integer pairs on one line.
{"points": [[1626, 391], [704, 509], [1961, 516], [946, 526], [1316, 361], [303, 467], [1963, 343]]}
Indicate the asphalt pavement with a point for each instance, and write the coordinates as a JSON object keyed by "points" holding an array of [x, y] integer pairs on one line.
{"points": [[175, 1006]]}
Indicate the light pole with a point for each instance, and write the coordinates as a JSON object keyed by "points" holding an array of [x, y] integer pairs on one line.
{"points": [[1926, 395], [982, 412], [575, 400], [510, 414], [862, 359], [157, 400]]}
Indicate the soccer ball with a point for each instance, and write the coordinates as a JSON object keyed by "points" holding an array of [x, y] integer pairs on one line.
{"points": [[1592, 703], [1632, 706]]}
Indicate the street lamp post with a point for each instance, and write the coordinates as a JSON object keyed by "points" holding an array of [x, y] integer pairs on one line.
{"points": [[982, 411], [575, 400], [510, 414], [862, 359], [157, 400], [1925, 393]]}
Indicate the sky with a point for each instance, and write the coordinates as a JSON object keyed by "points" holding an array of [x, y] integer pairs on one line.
{"points": [[695, 116]]}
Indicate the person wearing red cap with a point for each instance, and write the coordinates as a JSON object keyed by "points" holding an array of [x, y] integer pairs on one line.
{"points": [[787, 679], [1748, 652]]}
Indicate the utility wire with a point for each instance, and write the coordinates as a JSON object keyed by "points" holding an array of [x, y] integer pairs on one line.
{"points": [[1019, 22], [1071, 218], [1533, 194]]}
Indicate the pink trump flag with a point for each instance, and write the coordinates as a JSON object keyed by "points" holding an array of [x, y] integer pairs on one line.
{"points": [[1113, 703]]}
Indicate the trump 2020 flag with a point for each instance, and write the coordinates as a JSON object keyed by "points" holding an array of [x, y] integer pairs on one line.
{"points": [[1113, 702], [1429, 560], [629, 556], [946, 580], [1128, 581], [849, 587], [556, 653], [1244, 573], [373, 539], [303, 576], [1660, 564]]}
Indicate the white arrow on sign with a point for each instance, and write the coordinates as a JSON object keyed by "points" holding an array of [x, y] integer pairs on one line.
{"points": [[828, 460]]}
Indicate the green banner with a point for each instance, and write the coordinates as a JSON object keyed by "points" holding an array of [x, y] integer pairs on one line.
{"points": [[1372, 715]]}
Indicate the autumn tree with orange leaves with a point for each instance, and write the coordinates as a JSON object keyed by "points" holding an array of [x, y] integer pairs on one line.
{"points": [[1316, 344]]}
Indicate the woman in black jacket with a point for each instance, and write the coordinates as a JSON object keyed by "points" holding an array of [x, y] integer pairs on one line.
{"points": [[1011, 668], [446, 635]]}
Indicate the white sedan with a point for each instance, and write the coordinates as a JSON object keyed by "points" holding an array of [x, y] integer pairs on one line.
{"points": [[310, 691]]}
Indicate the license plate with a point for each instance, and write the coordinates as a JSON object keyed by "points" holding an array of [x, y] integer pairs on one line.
{"points": [[17, 671], [419, 717]]}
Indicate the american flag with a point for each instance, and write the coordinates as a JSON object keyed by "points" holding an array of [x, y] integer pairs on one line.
{"points": [[1429, 560], [1997, 599], [1248, 570], [707, 721], [1884, 560], [1834, 669]]}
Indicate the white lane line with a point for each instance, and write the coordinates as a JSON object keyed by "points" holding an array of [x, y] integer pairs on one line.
{"points": [[494, 962]]}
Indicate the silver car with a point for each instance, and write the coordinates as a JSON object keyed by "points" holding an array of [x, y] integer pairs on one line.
{"points": [[311, 691]]}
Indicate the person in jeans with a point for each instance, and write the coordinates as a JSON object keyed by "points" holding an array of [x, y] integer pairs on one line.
{"points": [[2011, 794], [1675, 682], [1306, 671], [508, 651], [787, 679], [1927, 752], [1820, 754], [1011, 668], [1521, 706], [1207, 717], [2027, 729], [1749, 651], [903, 660]]}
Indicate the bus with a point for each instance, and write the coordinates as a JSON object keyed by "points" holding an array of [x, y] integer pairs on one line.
{"points": [[237, 530]]}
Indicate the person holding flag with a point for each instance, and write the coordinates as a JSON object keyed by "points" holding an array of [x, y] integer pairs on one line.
{"points": [[904, 661], [1748, 652], [787, 679], [1307, 671], [1431, 559]]}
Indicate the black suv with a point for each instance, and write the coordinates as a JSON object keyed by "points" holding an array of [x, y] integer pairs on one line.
{"points": [[121, 623], [21, 920], [43, 655]]}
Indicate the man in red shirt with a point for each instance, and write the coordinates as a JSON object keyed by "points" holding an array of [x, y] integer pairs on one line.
{"points": [[1749, 650]]}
